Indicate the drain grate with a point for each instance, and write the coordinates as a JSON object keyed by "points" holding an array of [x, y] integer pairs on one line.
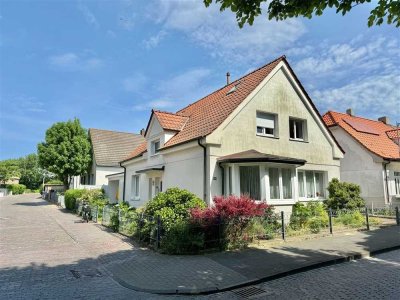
{"points": [[76, 274], [249, 292]]}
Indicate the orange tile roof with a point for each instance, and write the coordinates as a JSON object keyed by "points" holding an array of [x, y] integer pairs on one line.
{"points": [[374, 135], [202, 117], [170, 121]]}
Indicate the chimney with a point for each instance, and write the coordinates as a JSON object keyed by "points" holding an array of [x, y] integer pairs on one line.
{"points": [[384, 119], [228, 76], [142, 132], [350, 112]]}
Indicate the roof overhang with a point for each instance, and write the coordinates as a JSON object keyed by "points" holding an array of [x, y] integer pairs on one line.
{"points": [[255, 156], [115, 174], [151, 169]]}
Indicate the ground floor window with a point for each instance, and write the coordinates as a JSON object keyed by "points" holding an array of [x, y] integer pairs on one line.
{"points": [[280, 183], [135, 186], [397, 182], [250, 181], [311, 184]]}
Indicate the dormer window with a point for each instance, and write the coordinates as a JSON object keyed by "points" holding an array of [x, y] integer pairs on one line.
{"points": [[155, 147]]}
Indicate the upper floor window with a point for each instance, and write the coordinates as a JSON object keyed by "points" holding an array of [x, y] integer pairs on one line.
{"points": [[155, 147], [297, 129], [266, 124]]}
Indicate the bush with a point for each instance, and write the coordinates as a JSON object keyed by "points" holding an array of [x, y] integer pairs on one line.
{"points": [[344, 195], [182, 238], [235, 214], [16, 189], [353, 219], [312, 216], [71, 197], [171, 206]]}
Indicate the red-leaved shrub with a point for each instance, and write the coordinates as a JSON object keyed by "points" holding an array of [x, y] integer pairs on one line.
{"points": [[228, 219]]}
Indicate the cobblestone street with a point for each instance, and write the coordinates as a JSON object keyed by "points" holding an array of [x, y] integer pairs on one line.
{"points": [[50, 254]]}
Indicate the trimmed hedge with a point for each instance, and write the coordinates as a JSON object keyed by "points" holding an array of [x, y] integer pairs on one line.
{"points": [[16, 189]]}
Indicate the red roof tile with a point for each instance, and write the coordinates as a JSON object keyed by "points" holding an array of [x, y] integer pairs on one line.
{"points": [[170, 121], [375, 136]]}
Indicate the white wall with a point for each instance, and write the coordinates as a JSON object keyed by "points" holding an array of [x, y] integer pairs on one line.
{"points": [[361, 167], [102, 172]]}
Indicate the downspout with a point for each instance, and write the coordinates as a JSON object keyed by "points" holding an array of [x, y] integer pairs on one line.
{"points": [[386, 180], [204, 169], [222, 178], [123, 189]]}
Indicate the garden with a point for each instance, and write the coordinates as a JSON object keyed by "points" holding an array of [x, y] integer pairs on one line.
{"points": [[178, 222]]}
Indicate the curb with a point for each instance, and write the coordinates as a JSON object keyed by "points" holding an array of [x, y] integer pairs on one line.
{"points": [[215, 289]]}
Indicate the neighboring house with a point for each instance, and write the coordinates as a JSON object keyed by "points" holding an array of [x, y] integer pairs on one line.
{"points": [[12, 180], [109, 148], [259, 135], [372, 157]]}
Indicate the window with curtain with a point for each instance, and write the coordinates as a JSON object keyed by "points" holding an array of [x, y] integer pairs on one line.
{"points": [[135, 186], [310, 184], [319, 184], [287, 183], [300, 177], [250, 181], [274, 183]]}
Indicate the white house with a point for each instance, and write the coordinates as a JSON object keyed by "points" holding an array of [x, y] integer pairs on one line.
{"points": [[372, 158], [109, 148], [259, 135]]}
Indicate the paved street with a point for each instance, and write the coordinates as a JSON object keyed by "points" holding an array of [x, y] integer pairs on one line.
{"points": [[50, 254]]}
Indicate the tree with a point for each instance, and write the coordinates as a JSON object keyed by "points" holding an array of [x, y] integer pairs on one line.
{"points": [[66, 151], [247, 10], [344, 195], [9, 168]]}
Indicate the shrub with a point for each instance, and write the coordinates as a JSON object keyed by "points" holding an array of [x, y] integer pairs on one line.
{"points": [[235, 214], [182, 238], [353, 219], [71, 197], [312, 216], [172, 205], [344, 195], [16, 189]]}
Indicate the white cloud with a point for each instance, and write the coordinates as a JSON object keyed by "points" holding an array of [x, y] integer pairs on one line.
{"points": [[73, 62], [372, 97], [219, 33], [154, 40], [89, 16]]}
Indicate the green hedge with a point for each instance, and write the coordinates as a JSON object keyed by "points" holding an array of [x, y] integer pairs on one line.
{"points": [[71, 196], [16, 189]]}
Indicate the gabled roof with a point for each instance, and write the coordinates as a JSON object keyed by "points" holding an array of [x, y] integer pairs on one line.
{"points": [[110, 147], [202, 117], [375, 136]]}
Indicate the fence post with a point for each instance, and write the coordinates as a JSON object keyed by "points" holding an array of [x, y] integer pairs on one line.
{"points": [[367, 217], [283, 224], [397, 216], [158, 231], [330, 221]]}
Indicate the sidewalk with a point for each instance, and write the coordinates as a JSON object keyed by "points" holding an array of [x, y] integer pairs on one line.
{"points": [[163, 274]]}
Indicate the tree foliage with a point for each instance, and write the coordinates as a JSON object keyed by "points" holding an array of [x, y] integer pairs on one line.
{"points": [[344, 195], [66, 151], [247, 10]]}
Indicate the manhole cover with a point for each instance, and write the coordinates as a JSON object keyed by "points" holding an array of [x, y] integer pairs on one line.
{"points": [[249, 292]]}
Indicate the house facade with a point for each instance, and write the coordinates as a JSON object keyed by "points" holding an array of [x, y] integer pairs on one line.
{"points": [[372, 158], [259, 135], [108, 148]]}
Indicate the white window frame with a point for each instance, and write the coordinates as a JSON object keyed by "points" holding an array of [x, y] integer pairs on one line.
{"points": [[304, 129], [292, 181], [275, 128], [396, 179], [306, 198], [135, 188], [155, 151]]}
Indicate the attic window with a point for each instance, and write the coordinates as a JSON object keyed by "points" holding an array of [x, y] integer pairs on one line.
{"points": [[233, 89]]}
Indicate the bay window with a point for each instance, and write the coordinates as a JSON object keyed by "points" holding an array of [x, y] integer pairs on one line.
{"points": [[274, 183], [280, 183], [311, 184]]}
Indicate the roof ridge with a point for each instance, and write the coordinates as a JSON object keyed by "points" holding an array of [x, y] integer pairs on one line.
{"points": [[125, 132], [283, 57], [169, 113]]}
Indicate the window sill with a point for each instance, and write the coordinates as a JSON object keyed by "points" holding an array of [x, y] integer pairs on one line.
{"points": [[281, 202], [135, 199], [267, 136], [297, 140], [312, 199]]}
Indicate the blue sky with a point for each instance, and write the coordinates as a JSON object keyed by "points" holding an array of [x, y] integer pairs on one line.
{"points": [[109, 62]]}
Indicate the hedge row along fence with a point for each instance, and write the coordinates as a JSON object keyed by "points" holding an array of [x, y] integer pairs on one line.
{"points": [[177, 222]]}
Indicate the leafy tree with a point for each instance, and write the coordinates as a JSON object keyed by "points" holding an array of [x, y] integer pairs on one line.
{"points": [[66, 151], [247, 10], [344, 195]]}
